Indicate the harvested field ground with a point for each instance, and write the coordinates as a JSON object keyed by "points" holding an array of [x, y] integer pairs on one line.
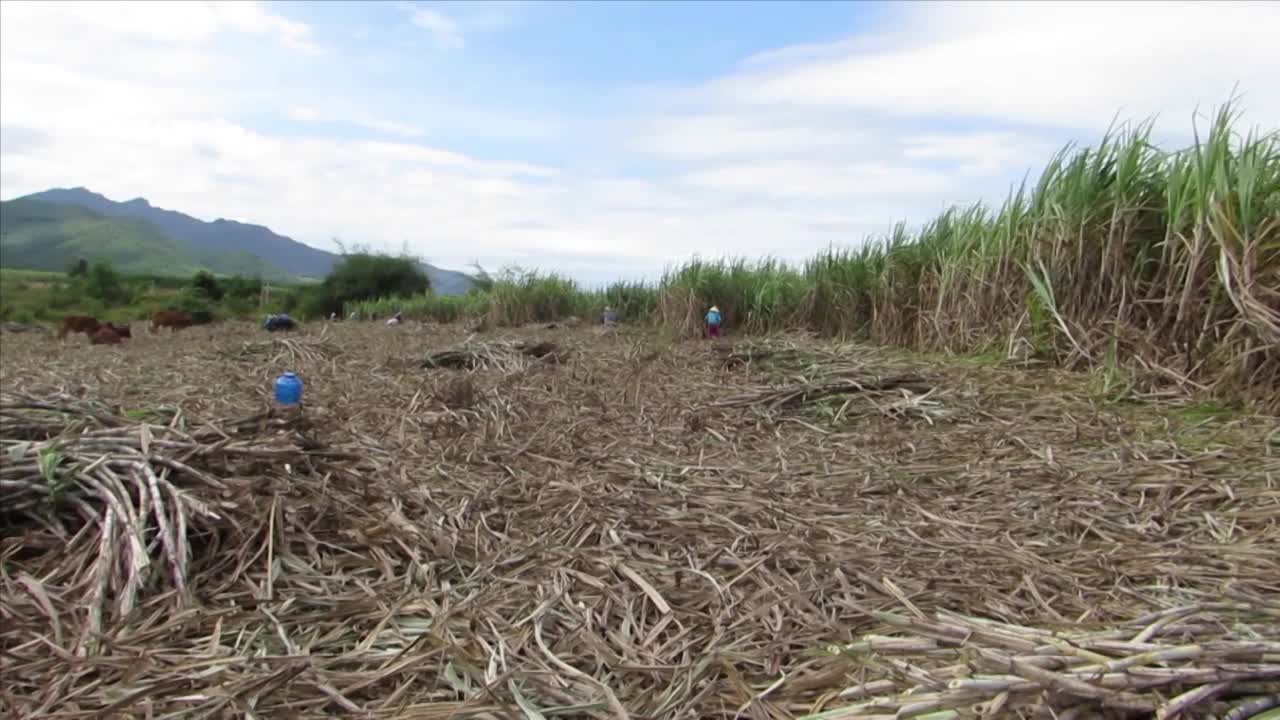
{"points": [[617, 526]]}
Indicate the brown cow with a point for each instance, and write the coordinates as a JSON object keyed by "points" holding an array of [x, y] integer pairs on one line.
{"points": [[123, 331], [106, 335], [78, 323], [170, 318]]}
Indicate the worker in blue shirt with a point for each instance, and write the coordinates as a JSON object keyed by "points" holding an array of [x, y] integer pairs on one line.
{"points": [[713, 322]]}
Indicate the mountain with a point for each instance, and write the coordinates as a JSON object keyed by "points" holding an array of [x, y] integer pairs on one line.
{"points": [[221, 238], [217, 236], [38, 235]]}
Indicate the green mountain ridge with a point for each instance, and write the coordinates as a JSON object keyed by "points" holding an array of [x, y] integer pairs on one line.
{"points": [[230, 246], [38, 235], [53, 229]]}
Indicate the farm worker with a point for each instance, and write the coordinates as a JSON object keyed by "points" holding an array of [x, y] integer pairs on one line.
{"points": [[713, 322], [610, 316], [395, 319], [279, 322]]}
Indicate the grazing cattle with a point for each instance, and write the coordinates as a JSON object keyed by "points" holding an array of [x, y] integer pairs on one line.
{"points": [[123, 331], [105, 335], [171, 319], [78, 323]]}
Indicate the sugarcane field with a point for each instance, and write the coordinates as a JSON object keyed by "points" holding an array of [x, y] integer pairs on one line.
{"points": [[510, 360], [613, 521]]}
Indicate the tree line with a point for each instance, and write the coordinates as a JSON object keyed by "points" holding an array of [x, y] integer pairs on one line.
{"points": [[98, 289]]}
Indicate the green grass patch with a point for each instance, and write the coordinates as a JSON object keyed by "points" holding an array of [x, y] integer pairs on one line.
{"points": [[19, 275], [28, 296], [1203, 412]]}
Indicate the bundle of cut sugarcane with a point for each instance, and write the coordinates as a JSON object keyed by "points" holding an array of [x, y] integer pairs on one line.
{"points": [[128, 494], [507, 356], [1182, 661], [294, 350]]}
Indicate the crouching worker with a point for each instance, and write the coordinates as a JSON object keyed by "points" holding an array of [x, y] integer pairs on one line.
{"points": [[610, 316], [713, 322], [276, 323]]}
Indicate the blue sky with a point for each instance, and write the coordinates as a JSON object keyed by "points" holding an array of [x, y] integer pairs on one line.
{"points": [[600, 139]]}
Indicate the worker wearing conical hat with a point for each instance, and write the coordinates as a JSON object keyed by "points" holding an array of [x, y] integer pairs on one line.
{"points": [[713, 322]]}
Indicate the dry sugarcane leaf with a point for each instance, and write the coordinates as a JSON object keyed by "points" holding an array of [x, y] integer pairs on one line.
{"points": [[545, 534]]}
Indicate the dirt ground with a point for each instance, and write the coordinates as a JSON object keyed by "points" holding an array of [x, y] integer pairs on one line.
{"points": [[620, 525]]}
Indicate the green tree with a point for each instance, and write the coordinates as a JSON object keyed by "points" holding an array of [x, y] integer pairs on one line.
{"points": [[207, 285], [79, 268], [242, 288], [365, 276], [103, 283]]}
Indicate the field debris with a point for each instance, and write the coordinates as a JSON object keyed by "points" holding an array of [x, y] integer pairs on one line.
{"points": [[513, 355], [995, 666], [807, 393], [623, 540], [292, 349], [777, 355], [840, 385], [566, 323], [17, 327]]}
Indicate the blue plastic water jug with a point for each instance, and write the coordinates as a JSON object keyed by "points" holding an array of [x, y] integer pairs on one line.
{"points": [[288, 390]]}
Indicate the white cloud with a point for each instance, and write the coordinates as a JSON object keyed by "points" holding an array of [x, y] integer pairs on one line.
{"points": [[450, 23], [876, 119], [982, 153], [365, 120], [305, 114], [798, 148], [1045, 63], [729, 134], [865, 180], [388, 126], [171, 23], [251, 17], [443, 28]]}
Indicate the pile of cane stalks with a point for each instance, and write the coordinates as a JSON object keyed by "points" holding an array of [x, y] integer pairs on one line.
{"points": [[453, 540]]}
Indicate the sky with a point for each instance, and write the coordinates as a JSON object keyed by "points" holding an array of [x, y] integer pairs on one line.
{"points": [[602, 140]]}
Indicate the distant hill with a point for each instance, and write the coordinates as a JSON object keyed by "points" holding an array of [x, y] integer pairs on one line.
{"points": [[38, 235], [217, 246]]}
